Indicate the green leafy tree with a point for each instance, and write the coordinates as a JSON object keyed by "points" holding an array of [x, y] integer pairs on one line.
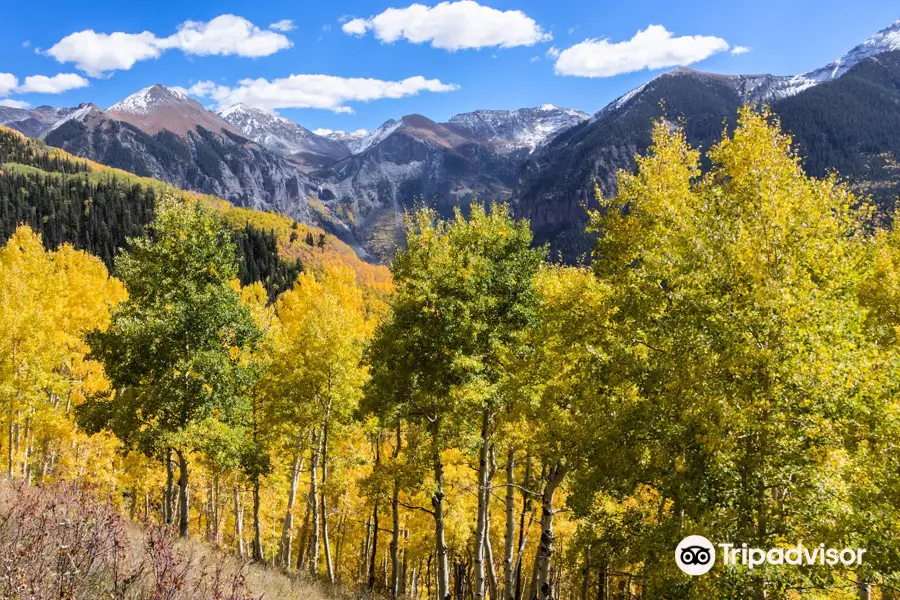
{"points": [[176, 351], [465, 297]]}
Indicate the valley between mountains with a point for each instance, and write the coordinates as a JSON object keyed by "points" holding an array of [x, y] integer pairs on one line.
{"points": [[544, 161]]}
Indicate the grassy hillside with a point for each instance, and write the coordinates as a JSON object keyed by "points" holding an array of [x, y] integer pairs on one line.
{"points": [[59, 541], [97, 208]]}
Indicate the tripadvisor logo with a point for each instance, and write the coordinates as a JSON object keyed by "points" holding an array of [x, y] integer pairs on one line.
{"points": [[696, 555]]}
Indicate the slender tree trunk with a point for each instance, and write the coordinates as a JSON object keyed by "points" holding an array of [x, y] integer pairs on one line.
{"points": [[864, 590], [314, 505], [603, 583], [364, 562], [287, 528], [183, 514], [509, 586], [257, 530], [586, 574], [239, 522], [169, 499], [329, 566], [216, 511], [527, 509], [373, 549], [11, 452], [481, 519], [303, 538], [341, 535], [27, 450], [404, 565], [395, 518], [437, 502], [488, 550], [545, 546]]}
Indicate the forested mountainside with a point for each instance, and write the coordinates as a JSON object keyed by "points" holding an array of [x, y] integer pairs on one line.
{"points": [[219, 163], [98, 209]]}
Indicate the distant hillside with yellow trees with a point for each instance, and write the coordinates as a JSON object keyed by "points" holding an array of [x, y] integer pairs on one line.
{"points": [[98, 208]]}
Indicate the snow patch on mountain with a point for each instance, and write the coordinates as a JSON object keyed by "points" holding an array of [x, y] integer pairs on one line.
{"points": [[78, 114], [358, 146], [144, 101], [519, 128], [279, 134]]}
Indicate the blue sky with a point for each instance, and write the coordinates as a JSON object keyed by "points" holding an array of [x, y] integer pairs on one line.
{"points": [[513, 53]]}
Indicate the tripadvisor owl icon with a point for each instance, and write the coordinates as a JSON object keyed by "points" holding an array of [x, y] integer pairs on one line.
{"points": [[695, 555]]}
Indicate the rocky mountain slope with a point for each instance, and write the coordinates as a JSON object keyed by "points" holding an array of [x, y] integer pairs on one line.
{"points": [[32, 122], [285, 137], [407, 161], [163, 134], [508, 130]]}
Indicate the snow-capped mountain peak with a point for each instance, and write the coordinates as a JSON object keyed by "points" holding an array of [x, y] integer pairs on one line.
{"points": [[149, 98], [244, 112], [519, 128], [279, 134], [886, 40], [769, 88]]}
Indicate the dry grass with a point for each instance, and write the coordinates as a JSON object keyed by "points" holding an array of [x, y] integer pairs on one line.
{"points": [[61, 541]]}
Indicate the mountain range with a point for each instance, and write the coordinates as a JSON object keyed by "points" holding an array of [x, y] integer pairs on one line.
{"points": [[545, 161]]}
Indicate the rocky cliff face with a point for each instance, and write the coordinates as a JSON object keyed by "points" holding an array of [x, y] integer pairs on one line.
{"points": [[411, 161], [285, 137]]}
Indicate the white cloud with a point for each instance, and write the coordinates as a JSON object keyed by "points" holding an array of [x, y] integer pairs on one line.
{"points": [[740, 50], [226, 34], [324, 131], [13, 103], [26, 43], [535, 58], [99, 53], [452, 26], [325, 92], [96, 53], [283, 25], [651, 48], [8, 82], [356, 27], [552, 52], [57, 84]]}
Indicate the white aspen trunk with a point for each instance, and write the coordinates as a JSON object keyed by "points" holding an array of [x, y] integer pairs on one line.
{"points": [[481, 519], [287, 528], [329, 565], [27, 451], [314, 505], [542, 590], [239, 523], [437, 502], [395, 518], [509, 584], [488, 550], [168, 501]]}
